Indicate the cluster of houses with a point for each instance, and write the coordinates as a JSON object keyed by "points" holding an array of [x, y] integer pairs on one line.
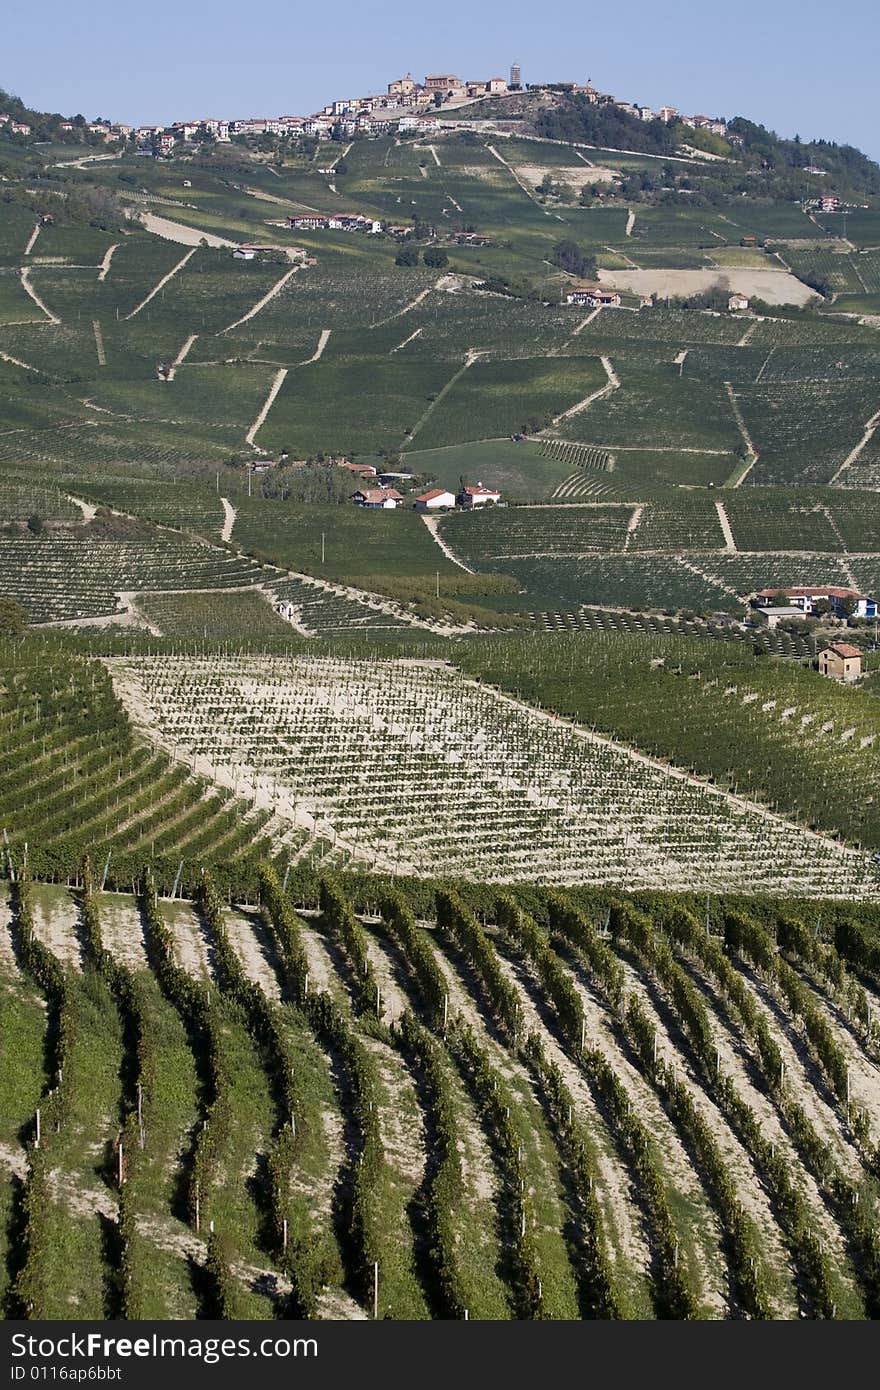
{"points": [[438, 499], [16, 127], [404, 106], [808, 602], [839, 660], [340, 222], [592, 296]]}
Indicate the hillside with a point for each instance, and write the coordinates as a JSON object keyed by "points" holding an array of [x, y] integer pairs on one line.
{"points": [[428, 916]]}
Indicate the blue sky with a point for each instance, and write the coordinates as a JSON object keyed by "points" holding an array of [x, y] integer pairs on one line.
{"points": [[794, 65]]}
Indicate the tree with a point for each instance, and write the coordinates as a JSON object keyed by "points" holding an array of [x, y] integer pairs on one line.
{"points": [[13, 618], [570, 257], [36, 525], [407, 255], [435, 257]]}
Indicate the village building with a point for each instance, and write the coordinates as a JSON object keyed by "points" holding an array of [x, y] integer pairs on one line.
{"points": [[478, 496], [593, 296], [737, 303], [360, 470], [841, 661], [842, 603], [443, 82], [434, 500], [386, 499], [784, 613]]}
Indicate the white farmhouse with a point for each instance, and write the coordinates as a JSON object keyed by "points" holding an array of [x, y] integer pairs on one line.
{"points": [[434, 500], [478, 496]]}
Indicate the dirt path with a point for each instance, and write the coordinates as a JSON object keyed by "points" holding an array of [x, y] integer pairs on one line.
{"points": [[744, 432], [866, 438], [412, 335], [724, 523], [261, 303], [105, 264], [524, 186], [633, 525], [746, 337], [32, 238], [164, 281], [413, 303], [99, 343], [630, 222], [319, 350], [29, 289], [172, 370], [432, 523], [17, 362], [612, 384], [277, 383], [433, 149], [180, 232], [229, 515], [469, 360]]}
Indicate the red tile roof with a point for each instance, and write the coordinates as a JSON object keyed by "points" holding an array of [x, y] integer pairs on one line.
{"points": [[844, 649]]}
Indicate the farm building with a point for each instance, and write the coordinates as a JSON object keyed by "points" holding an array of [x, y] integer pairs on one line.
{"points": [[361, 470], [842, 603], [478, 496], [841, 661], [781, 614], [737, 303], [248, 251], [593, 297], [386, 499], [431, 501]]}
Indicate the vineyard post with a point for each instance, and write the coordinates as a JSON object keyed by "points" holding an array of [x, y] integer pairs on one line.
{"points": [[37, 1132], [284, 880], [197, 1214], [446, 1012], [176, 880], [284, 1233], [120, 1169], [106, 870], [140, 1096], [375, 1290]]}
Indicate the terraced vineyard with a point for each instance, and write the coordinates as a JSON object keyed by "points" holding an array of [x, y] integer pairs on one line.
{"points": [[411, 1104]]}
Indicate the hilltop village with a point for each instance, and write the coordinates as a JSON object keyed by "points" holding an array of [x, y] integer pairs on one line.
{"points": [[406, 106]]}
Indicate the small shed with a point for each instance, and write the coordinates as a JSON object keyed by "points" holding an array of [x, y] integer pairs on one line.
{"points": [[841, 661]]}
